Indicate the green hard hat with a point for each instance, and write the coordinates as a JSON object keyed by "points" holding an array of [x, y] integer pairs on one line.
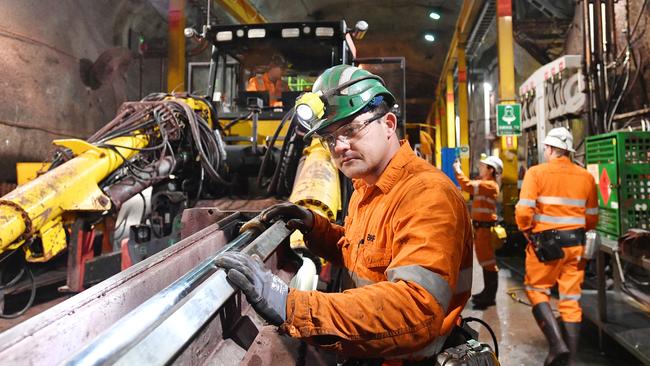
{"points": [[351, 100]]}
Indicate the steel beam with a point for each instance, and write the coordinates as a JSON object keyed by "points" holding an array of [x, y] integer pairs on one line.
{"points": [[451, 112], [176, 46], [463, 108], [243, 11], [437, 110], [464, 24], [508, 151]]}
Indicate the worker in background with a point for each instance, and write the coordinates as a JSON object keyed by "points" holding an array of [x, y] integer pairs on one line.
{"points": [[484, 193], [406, 242], [271, 81], [556, 205]]}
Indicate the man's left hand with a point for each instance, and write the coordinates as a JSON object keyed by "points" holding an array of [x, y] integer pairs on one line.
{"points": [[266, 292], [457, 167]]}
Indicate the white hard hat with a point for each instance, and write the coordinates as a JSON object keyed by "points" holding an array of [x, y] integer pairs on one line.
{"points": [[561, 138], [494, 162]]}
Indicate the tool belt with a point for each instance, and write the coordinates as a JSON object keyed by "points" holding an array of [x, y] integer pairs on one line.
{"points": [[549, 243], [483, 224]]}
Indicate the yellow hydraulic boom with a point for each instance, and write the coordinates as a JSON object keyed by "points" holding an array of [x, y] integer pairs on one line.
{"points": [[37, 207]]}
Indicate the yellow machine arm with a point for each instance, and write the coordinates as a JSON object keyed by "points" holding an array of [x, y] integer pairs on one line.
{"points": [[36, 208], [158, 128]]}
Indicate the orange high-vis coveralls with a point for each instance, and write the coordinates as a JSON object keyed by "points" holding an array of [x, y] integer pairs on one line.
{"points": [[407, 247], [557, 195], [263, 83], [484, 211]]}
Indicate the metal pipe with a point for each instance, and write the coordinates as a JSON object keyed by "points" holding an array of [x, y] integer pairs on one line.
{"points": [[168, 340], [587, 68], [136, 325], [610, 19], [598, 62]]}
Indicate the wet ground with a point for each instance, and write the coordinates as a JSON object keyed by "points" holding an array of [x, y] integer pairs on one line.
{"points": [[520, 340]]}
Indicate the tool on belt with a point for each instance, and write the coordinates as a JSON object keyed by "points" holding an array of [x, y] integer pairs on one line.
{"points": [[498, 233], [548, 244]]}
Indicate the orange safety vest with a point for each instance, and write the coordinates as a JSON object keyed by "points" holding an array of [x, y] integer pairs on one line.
{"points": [[557, 195], [407, 247], [484, 197], [263, 83]]}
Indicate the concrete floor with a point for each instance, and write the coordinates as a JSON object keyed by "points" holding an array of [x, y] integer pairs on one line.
{"points": [[520, 340]]}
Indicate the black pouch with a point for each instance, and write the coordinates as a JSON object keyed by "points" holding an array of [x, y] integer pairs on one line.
{"points": [[547, 246]]}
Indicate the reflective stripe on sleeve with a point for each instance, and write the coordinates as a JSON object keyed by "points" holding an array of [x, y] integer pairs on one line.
{"points": [[570, 297], [431, 281], [553, 200], [464, 283], [560, 219], [592, 211], [538, 289], [526, 202], [359, 281], [429, 350]]}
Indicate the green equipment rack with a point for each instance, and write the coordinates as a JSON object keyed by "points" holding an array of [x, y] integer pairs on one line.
{"points": [[620, 164]]}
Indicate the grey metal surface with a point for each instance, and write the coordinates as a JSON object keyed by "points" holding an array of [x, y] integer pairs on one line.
{"points": [[171, 336], [137, 324], [626, 324], [55, 334]]}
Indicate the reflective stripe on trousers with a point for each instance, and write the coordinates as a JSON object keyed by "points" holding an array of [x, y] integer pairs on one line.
{"points": [[570, 297], [544, 290]]}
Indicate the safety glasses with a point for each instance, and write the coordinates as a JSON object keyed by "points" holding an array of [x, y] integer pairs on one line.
{"points": [[347, 132]]}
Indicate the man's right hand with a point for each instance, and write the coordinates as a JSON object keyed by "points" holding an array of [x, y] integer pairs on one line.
{"points": [[297, 218]]}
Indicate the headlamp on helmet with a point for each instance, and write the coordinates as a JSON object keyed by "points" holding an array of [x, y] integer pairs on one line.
{"points": [[310, 108]]}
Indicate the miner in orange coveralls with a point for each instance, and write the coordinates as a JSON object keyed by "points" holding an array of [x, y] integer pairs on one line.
{"points": [[406, 243], [270, 81], [557, 203], [484, 215]]}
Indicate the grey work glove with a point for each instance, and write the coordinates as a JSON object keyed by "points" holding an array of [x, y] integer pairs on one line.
{"points": [[298, 218], [266, 292]]}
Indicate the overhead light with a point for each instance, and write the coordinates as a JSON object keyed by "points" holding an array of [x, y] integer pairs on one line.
{"points": [[290, 32], [429, 37], [224, 36], [435, 15], [257, 33], [324, 31]]}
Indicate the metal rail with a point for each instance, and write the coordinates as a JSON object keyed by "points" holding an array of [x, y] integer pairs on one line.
{"points": [[158, 329]]}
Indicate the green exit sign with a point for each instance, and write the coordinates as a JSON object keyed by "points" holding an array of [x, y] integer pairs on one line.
{"points": [[509, 119]]}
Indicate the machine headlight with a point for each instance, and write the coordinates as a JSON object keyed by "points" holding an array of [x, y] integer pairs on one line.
{"points": [[309, 109]]}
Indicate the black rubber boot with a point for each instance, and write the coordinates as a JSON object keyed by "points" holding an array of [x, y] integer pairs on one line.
{"points": [[487, 297], [558, 352], [572, 337]]}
